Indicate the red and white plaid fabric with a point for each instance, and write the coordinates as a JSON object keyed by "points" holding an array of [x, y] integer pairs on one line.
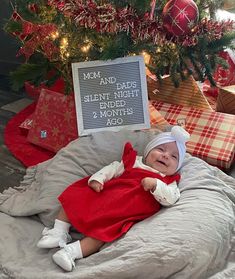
{"points": [[212, 133]]}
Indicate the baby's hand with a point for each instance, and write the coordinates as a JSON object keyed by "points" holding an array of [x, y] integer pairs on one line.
{"points": [[149, 184], [96, 186]]}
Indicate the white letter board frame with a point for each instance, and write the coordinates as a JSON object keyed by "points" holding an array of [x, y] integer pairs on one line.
{"points": [[111, 95]]}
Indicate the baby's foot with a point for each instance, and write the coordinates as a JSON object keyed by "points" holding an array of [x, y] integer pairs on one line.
{"points": [[52, 238], [65, 258]]}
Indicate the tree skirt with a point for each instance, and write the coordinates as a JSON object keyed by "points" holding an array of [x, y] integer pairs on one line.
{"points": [[17, 143]]}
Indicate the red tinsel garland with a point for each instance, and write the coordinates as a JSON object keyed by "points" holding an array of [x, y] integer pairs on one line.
{"points": [[106, 18], [213, 29]]}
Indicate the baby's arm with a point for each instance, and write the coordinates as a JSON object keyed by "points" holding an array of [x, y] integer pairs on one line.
{"points": [[165, 194], [108, 172]]}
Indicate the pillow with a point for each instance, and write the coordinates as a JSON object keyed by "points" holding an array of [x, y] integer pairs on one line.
{"points": [[43, 183]]}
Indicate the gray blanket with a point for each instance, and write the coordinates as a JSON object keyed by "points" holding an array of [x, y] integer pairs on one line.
{"points": [[192, 239]]}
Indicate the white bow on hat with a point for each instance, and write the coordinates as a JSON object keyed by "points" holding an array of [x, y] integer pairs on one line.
{"points": [[177, 134]]}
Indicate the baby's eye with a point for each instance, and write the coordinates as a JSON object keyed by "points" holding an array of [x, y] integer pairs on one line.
{"points": [[160, 148], [175, 157]]}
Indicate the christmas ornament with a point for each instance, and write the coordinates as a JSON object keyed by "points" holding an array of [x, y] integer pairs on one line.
{"points": [[17, 17], [33, 8], [180, 16], [39, 37]]}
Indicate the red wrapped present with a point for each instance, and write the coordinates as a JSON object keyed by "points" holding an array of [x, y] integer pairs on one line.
{"points": [[54, 123], [222, 76], [34, 91], [212, 133], [26, 125]]}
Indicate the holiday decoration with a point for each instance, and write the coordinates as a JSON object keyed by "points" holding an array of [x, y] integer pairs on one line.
{"points": [[38, 39], [55, 33], [15, 17], [26, 125], [212, 134], [222, 76], [180, 16]]}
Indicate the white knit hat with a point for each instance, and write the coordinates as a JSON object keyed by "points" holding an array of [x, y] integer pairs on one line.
{"points": [[177, 134]]}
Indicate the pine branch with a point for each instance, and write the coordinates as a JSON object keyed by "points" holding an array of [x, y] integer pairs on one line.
{"points": [[226, 41], [12, 26], [37, 73]]}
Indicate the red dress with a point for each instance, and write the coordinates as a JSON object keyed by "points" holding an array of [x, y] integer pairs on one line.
{"points": [[109, 214]]}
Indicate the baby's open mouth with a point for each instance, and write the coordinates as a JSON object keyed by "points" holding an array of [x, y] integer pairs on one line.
{"points": [[161, 162]]}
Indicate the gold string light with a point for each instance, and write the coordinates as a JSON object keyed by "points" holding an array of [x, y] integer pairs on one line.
{"points": [[146, 57], [63, 48], [55, 35], [86, 47]]}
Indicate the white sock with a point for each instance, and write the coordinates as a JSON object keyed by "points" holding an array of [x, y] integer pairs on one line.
{"points": [[76, 250], [61, 225]]}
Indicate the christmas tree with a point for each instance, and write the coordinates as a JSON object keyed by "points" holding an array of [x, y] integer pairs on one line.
{"points": [[177, 37]]}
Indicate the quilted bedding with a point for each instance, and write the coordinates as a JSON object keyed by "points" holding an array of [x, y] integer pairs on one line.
{"points": [[192, 239]]}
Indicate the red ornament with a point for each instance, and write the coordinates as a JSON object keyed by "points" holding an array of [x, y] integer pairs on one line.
{"points": [[33, 8], [180, 16]]}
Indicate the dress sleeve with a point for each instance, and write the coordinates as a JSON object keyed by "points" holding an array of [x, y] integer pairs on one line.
{"points": [[165, 194], [108, 172]]}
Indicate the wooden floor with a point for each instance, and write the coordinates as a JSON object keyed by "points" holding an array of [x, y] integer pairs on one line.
{"points": [[11, 170]]}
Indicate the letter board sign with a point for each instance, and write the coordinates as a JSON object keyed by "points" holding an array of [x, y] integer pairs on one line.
{"points": [[111, 95]]}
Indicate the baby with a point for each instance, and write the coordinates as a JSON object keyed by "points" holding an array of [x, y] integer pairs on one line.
{"points": [[107, 204]]}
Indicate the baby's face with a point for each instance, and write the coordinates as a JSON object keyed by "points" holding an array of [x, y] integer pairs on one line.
{"points": [[164, 158]]}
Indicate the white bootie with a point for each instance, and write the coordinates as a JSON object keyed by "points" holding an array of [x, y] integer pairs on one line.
{"points": [[52, 238], [65, 257]]}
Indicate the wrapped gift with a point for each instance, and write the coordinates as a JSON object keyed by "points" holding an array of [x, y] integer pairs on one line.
{"points": [[34, 91], [226, 99], [212, 133], [54, 123], [156, 119], [222, 76], [26, 125], [187, 94]]}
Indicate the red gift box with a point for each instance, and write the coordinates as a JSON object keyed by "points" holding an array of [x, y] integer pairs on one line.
{"points": [[54, 123], [222, 76], [34, 91], [26, 125], [212, 133]]}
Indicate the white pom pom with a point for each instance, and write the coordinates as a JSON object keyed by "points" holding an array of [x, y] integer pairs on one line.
{"points": [[180, 134]]}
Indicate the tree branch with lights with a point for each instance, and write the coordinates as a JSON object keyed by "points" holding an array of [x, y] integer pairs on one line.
{"points": [[179, 37]]}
